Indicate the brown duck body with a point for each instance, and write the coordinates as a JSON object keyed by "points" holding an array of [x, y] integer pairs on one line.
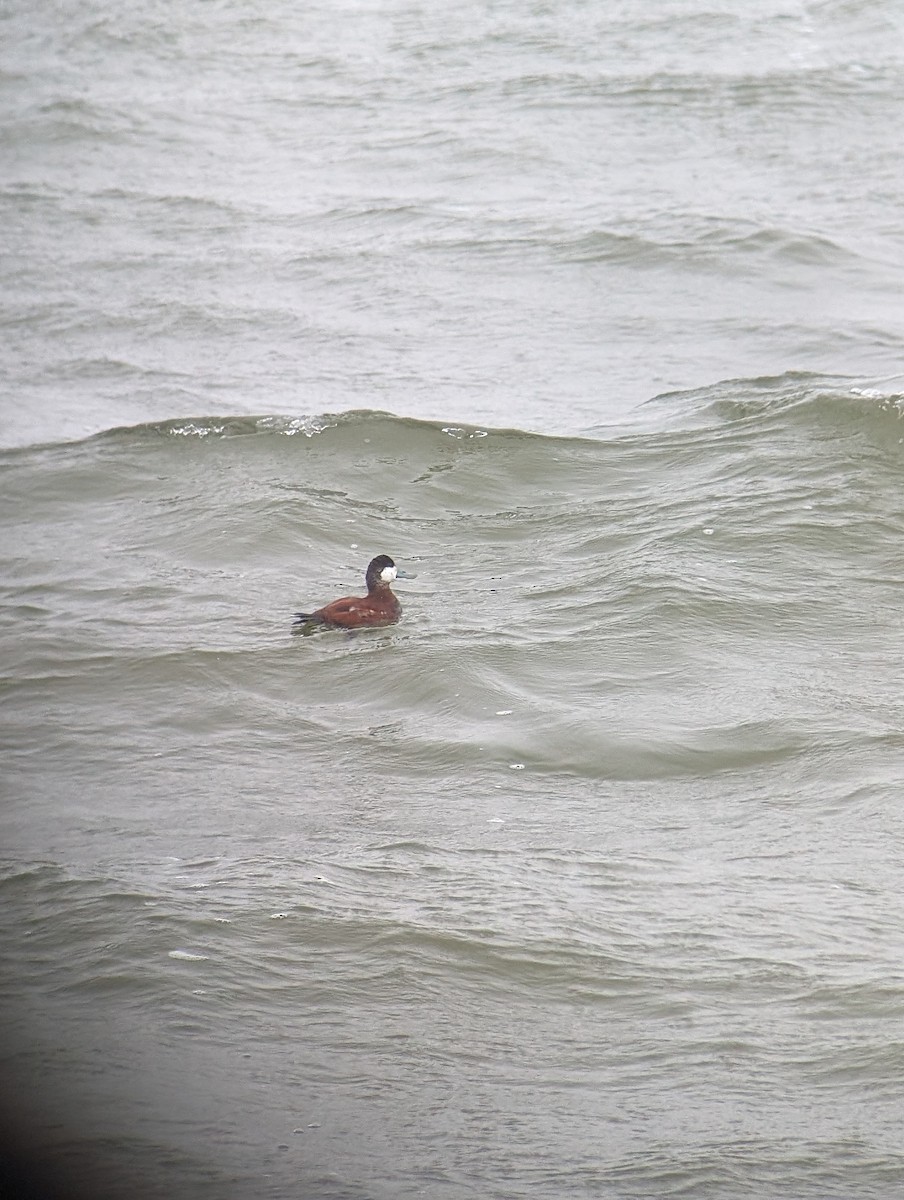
{"points": [[379, 607]]}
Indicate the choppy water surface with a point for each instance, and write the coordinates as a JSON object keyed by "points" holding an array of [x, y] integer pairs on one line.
{"points": [[584, 880], [528, 215]]}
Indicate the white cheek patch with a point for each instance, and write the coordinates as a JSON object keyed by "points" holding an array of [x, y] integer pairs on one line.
{"points": [[388, 574]]}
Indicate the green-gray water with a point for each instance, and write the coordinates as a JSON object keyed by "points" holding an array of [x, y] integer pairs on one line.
{"points": [[584, 879], [583, 882]]}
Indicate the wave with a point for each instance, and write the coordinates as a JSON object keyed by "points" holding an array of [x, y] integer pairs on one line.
{"points": [[721, 245], [800, 398], [797, 397], [585, 606]]}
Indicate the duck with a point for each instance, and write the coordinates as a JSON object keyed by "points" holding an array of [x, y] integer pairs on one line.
{"points": [[379, 607]]}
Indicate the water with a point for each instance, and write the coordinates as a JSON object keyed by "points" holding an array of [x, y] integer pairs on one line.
{"points": [[584, 879], [528, 215]]}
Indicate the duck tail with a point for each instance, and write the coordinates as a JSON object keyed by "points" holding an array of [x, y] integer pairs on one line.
{"points": [[306, 619]]}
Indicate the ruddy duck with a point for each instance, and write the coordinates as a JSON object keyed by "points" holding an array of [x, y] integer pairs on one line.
{"points": [[379, 607]]}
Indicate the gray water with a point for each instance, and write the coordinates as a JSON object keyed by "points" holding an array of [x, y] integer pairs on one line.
{"points": [[584, 880]]}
